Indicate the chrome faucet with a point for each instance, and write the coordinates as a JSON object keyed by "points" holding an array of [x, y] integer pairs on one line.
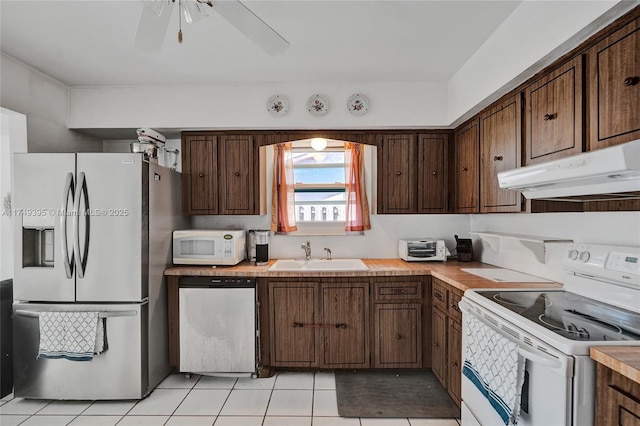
{"points": [[307, 249], [328, 253]]}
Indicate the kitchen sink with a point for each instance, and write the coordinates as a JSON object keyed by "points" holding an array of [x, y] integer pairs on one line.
{"points": [[319, 265]]}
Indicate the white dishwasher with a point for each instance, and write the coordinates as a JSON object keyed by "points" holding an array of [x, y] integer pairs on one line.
{"points": [[218, 325]]}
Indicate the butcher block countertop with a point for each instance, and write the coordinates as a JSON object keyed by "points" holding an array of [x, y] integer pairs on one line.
{"points": [[449, 272], [621, 359]]}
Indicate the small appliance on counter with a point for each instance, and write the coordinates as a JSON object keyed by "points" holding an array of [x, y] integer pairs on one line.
{"points": [[464, 249], [258, 246], [208, 247], [420, 250]]}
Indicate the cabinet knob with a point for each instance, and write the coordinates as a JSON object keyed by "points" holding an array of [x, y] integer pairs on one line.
{"points": [[201, 174], [398, 336], [631, 81], [497, 158], [465, 169], [237, 173], [436, 345], [398, 173], [548, 117], [342, 326], [434, 173]]}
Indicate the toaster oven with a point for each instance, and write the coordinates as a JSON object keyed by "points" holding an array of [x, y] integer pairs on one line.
{"points": [[422, 250]]}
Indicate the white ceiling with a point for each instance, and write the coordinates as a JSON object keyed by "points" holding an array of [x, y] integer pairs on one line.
{"points": [[90, 42]]}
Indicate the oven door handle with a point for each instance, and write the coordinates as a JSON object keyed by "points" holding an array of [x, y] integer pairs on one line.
{"points": [[539, 359], [548, 361]]}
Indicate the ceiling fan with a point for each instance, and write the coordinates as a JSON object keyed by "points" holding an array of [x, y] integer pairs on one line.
{"points": [[154, 22]]}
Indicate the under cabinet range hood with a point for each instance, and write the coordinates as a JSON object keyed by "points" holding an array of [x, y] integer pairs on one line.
{"points": [[604, 174]]}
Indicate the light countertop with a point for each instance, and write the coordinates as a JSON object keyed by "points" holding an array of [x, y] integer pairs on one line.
{"points": [[449, 272], [621, 359]]}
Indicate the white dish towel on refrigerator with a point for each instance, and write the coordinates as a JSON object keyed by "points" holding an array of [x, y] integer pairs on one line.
{"points": [[75, 336], [493, 365]]}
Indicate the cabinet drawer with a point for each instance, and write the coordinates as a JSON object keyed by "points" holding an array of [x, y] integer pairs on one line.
{"points": [[398, 291], [439, 294], [454, 311]]}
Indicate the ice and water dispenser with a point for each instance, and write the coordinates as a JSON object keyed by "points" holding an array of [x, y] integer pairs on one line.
{"points": [[38, 242]]}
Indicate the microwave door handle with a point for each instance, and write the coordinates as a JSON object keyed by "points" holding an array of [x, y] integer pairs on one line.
{"points": [[64, 218], [550, 362]]}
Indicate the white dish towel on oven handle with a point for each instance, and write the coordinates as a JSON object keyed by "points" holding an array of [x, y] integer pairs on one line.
{"points": [[493, 364]]}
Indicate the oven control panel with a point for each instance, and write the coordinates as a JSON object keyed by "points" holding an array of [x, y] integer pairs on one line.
{"points": [[623, 262], [616, 264]]}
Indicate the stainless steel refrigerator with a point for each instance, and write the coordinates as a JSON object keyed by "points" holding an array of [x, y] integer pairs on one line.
{"points": [[92, 232]]}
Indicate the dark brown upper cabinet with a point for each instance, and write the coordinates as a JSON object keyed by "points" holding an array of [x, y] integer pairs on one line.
{"points": [[199, 175], [500, 142], [467, 168], [432, 173], [412, 173], [218, 175], [553, 114], [614, 88], [397, 174]]}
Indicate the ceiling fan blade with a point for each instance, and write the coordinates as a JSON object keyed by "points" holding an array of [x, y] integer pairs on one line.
{"points": [[249, 24], [152, 29]]}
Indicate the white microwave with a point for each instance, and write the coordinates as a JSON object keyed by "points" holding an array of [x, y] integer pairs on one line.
{"points": [[420, 250], [208, 247]]}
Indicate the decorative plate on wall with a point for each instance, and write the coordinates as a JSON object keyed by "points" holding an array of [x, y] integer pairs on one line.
{"points": [[277, 105], [358, 104], [318, 105]]}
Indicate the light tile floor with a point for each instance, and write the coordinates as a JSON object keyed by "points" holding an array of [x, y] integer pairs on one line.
{"points": [[287, 399]]}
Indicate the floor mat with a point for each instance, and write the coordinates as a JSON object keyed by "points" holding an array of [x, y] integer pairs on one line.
{"points": [[392, 393]]}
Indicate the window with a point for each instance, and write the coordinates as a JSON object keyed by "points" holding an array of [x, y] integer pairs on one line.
{"points": [[321, 191], [319, 185]]}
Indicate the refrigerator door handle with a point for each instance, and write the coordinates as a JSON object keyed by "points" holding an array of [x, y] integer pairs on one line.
{"points": [[81, 192], [64, 218]]}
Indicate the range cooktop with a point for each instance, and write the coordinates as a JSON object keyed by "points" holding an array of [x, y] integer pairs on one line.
{"points": [[570, 315]]}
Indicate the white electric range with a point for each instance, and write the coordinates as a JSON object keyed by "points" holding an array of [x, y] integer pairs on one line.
{"points": [[550, 332]]}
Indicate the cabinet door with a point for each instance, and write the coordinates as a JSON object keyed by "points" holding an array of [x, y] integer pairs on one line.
{"points": [[500, 138], [614, 88], [397, 174], [345, 318], [199, 175], [454, 370], [292, 312], [236, 163], [397, 335], [439, 349], [467, 167], [432, 173], [553, 115]]}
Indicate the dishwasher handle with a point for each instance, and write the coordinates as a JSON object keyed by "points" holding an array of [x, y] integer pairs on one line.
{"points": [[217, 282]]}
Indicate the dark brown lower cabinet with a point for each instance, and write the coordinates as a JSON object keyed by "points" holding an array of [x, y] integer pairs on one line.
{"points": [[345, 319], [617, 399], [344, 323], [455, 360], [314, 324], [292, 312], [439, 350], [397, 335], [446, 351]]}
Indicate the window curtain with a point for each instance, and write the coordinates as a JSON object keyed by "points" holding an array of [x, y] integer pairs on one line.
{"points": [[357, 217], [283, 217]]}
